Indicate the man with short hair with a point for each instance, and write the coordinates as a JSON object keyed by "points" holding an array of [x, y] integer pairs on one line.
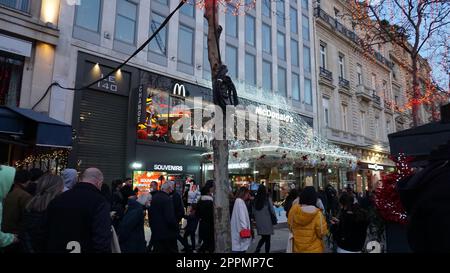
{"points": [[79, 220], [163, 221]]}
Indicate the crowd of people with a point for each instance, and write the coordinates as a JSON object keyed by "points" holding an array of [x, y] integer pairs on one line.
{"points": [[80, 213]]}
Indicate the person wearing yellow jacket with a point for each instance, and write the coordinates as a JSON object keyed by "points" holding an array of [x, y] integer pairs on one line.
{"points": [[307, 224], [6, 181]]}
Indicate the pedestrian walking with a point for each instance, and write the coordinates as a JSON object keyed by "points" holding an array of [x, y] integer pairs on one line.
{"points": [[35, 174], [193, 195], [191, 226], [131, 229], [307, 224], [79, 220], [205, 214], [14, 208], [350, 229], [6, 181], [240, 223], [33, 236], [163, 222], [117, 203], [265, 218], [179, 213]]}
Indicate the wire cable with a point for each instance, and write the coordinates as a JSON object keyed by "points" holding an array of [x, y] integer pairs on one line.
{"points": [[163, 24]]}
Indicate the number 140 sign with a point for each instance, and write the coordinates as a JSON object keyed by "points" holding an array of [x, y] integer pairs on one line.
{"points": [[109, 83]]}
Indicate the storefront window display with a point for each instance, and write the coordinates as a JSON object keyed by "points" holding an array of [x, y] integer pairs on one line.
{"points": [[11, 70], [143, 179]]}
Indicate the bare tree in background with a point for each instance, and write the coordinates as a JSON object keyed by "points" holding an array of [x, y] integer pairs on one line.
{"points": [[409, 24]]}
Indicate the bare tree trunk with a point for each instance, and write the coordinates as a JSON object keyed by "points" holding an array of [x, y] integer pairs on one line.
{"points": [[416, 92], [220, 147]]}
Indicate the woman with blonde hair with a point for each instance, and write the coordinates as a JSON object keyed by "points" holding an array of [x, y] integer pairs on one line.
{"points": [[48, 187]]}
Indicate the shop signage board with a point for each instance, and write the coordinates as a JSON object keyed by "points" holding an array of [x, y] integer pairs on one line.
{"points": [[231, 166], [15, 46], [375, 167], [161, 167], [118, 82], [262, 111]]}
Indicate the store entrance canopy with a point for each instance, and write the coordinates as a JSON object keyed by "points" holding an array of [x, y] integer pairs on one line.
{"points": [[33, 128]]}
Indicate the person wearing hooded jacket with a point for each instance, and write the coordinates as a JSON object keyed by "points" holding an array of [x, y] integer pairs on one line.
{"points": [[307, 224], [70, 178], [131, 228], [6, 181]]}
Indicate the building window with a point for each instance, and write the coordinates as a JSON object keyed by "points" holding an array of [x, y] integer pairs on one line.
{"points": [[323, 56], [305, 4], [206, 65], [362, 123], [308, 92], [188, 9], [342, 66], [305, 28], [377, 128], [164, 2], [295, 87], [293, 20], [159, 44], [267, 78], [359, 74], [250, 30], [385, 90], [326, 111], [22, 5], [374, 81], [282, 82], [388, 127], [266, 38], [231, 25], [250, 69], [186, 45], [294, 52], [232, 55], [306, 59], [281, 43], [344, 118], [11, 71], [266, 8], [281, 17], [126, 21], [87, 15]]}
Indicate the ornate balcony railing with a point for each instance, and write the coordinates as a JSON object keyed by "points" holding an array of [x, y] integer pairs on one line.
{"points": [[336, 25], [344, 83], [326, 74]]}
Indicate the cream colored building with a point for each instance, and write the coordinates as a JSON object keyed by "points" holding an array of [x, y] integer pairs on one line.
{"points": [[28, 40], [354, 91]]}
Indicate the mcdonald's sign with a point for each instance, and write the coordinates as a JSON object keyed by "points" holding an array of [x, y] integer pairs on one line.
{"points": [[179, 90]]}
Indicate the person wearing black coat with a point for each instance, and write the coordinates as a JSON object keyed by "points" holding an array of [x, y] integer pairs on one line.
{"points": [[179, 214], [205, 214], [163, 222], [79, 220], [131, 229], [350, 230], [425, 197]]}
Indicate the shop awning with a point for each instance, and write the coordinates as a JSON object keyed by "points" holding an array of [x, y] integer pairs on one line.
{"points": [[28, 126], [420, 141]]}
